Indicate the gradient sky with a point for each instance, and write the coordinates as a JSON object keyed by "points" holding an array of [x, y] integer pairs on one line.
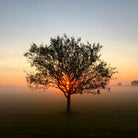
{"points": [[112, 23]]}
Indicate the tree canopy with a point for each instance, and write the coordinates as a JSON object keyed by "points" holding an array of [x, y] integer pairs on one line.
{"points": [[134, 83], [69, 65]]}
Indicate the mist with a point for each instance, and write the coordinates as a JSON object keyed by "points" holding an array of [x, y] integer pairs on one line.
{"points": [[26, 100]]}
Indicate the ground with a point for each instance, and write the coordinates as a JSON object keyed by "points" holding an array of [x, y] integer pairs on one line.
{"points": [[112, 118]]}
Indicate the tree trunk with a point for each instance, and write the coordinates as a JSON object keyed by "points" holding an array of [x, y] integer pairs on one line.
{"points": [[68, 103]]}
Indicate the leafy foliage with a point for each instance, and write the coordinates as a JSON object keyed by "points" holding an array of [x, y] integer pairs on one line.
{"points": [[134, 83], [68, 61]]}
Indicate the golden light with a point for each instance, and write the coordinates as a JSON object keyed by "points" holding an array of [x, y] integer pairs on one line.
{"points": [[67, 83]]}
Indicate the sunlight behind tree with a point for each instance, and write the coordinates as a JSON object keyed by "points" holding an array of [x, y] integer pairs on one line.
{"points": [[69, 65]]}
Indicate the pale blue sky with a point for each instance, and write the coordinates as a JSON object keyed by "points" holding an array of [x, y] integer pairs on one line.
{"points": [[112, 23]]}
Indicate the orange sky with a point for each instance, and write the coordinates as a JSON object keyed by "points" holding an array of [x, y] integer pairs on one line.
{"points": [[13, 73]]}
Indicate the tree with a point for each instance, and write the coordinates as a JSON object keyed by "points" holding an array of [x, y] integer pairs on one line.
{"points": [[119, 84], [69, 65], [134, 83]]}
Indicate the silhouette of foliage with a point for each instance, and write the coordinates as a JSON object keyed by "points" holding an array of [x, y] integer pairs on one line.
{"points": [[134, 83], [69, 65], [119, 84]]}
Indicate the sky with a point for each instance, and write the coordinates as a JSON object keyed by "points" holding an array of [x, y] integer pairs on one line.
{"points": [[112, 23]]}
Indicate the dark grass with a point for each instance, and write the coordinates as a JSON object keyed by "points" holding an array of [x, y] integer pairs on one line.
{"points": [[99, 124], [114, 117]]}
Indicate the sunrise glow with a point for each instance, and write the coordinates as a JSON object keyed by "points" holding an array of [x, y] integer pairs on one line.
{"points": [[67, 85], [53, 82]]}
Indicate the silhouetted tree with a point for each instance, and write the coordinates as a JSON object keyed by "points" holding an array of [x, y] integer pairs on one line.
{"points": [[134, 83], [69, 65], [119, 84]]}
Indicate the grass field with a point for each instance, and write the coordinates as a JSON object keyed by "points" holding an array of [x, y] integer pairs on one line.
{"points": [[30, 114]]}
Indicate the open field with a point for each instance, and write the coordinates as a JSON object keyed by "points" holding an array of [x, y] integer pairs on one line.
{"points": [[35, 114]]}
